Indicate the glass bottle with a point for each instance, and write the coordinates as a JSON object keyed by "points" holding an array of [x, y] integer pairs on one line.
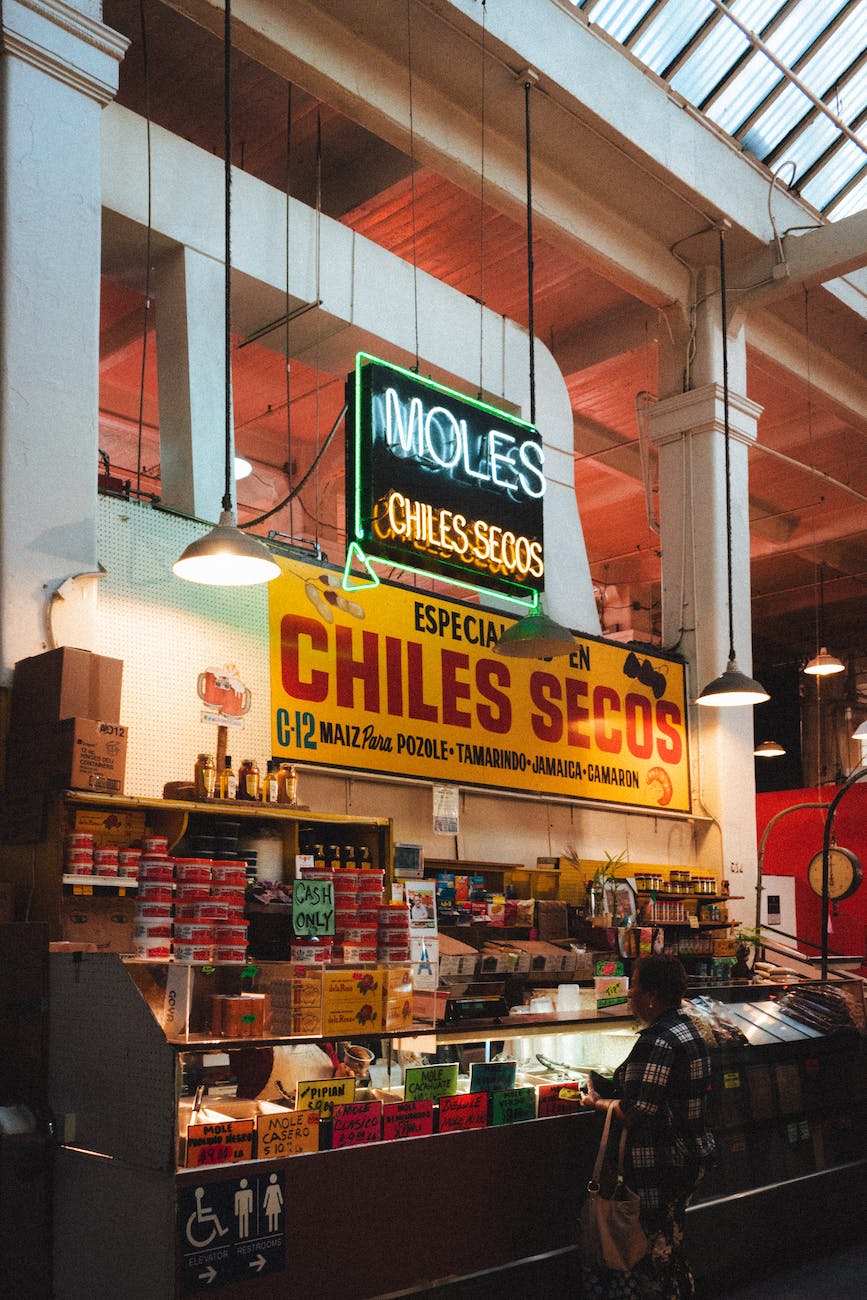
{"points": [[248, 779], [287, 784], [228, 781], [205, 776], [270, 786]]}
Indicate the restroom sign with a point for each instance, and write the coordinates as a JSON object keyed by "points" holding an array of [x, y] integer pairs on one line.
{"points": [[231, 1230], [443, 483]]}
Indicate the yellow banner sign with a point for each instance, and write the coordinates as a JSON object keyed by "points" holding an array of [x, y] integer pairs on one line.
{"points": [[388, 679]]}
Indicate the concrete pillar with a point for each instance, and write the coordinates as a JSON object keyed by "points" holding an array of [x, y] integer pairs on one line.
{"points": [[688, 430], [189, 291], [58, 67]]}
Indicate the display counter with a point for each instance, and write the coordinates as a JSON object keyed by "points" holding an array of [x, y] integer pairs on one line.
{"points": [[140, 1213]]}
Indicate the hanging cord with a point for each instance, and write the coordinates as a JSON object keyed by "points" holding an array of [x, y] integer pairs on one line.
{"points": [[288, 372], [250, 523], [726, 434], [318, 395], [530, 310], [227, 147], [412, 178], [147, 305], [482, 214]]}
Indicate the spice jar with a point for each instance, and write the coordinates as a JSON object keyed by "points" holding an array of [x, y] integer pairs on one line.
{"points": [[205, 776], [248, 779], [287, 784]]}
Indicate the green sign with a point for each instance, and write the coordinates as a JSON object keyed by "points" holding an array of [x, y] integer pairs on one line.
{"points": [[513, 1106], [430, 1082], [313, 907]]}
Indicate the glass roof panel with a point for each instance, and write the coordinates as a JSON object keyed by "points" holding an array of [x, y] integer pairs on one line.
{"points": [[669, 31], [816, 41]]}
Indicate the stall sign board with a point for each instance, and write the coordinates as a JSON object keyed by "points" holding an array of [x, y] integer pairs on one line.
{"points": [[513, 1105], [489, 1076], [323, 1094], [463, 1111], [355, 1123], [443, 483], [396, 681], [288, 1133], [406, 1119], [220, 1142], [430, 1082], [231, 1231]]}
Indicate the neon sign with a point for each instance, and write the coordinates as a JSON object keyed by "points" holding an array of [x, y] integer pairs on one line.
{"points": [[443, 483]]}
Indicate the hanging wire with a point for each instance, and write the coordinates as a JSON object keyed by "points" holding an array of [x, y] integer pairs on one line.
{"points": [[726, 434], [317, 409], [482, 212], [288, 371], [227, 146], [412, 178], [530, 307], [147, 304]]}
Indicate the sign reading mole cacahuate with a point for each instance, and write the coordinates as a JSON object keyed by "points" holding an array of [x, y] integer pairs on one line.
{"points": [[442, 483]]}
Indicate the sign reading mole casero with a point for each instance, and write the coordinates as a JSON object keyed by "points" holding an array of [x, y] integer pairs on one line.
{"points": [[441, 483], [394, 680]]}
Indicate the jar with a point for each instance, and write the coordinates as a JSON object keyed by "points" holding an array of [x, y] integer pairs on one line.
{"points": [[205, 776], [248, 779], [287, 784]]}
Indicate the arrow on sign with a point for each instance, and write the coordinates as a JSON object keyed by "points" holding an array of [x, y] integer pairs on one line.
{"points": [[209, 1274], [258, 1263]]}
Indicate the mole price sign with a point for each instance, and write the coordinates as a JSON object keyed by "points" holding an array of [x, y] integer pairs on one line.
{"points": [[430, 1082], [441, 482], [406, 1119], [466, 1110]]}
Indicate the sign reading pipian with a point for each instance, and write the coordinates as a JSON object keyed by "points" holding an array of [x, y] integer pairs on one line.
{"points": [[401, 682], [442, 483]]}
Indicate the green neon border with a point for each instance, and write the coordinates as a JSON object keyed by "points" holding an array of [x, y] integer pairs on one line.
{"points": [[531, 600]]}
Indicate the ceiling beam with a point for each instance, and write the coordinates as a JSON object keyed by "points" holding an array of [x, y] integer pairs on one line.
{"points": [[801, 261]]}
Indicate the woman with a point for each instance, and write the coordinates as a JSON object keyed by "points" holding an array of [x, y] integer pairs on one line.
{"points": [[660, 1094]]}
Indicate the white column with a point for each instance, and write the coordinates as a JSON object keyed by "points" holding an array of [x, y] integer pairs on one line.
{"points": [[190, 306], [58, 66], [688, 430]]}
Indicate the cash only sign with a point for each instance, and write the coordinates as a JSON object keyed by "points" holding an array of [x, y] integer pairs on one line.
{"points": [[390, 679]]}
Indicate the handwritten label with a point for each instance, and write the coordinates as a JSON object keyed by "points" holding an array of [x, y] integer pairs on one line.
{"points": [[513, 1106], [219, 1143], [290, 1133], [313, 907], [430, 1082], [323, 1094], [468, 1110], [492, 1076], [610, 991], [731, 1079], [407, 1119], [559, 1098], [356, 1123]]}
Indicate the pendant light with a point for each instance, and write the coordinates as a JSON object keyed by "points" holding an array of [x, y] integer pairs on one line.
{"points": [[860, 733], [227, 557], [733, 687], [536, 635], [823, 664], [769, 749]]}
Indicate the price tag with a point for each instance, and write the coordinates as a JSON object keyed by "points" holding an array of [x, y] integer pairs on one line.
{"points": [[513, 1106], [288, 1133], [731, 1079], [406, 1119], [356, 1123], [430, 1082], [219, 1144], [323, 1094], [463, 1111], [491, 1076]]}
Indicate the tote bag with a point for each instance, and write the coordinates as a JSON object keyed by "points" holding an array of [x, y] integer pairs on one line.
{"points": [[609, 1233]]}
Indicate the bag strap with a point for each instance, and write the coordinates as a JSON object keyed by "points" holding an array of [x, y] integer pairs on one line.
{"points": [[593, 1185]]}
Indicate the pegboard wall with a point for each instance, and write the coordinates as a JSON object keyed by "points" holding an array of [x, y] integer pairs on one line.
{"points": [[168, 631]]}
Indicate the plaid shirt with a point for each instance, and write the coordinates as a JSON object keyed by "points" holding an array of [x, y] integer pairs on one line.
{"points": [[663, 1087]]}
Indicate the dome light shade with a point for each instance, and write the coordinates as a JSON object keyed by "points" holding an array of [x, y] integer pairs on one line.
{"points": [[824, 664], [860, 733], [733, 688], [226, 557], [535, 636], [769, 749], [243, 468]]}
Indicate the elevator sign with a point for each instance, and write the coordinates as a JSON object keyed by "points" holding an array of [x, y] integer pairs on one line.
{"points": [[442, 483]]}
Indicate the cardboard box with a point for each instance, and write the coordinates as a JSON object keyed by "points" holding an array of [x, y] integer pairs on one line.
{"points": [[397, 997], [547, 957], [457, 958], [77, 753], [64, 683]]}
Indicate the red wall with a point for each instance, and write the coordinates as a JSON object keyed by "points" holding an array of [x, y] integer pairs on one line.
{"points": [[797, 837]]}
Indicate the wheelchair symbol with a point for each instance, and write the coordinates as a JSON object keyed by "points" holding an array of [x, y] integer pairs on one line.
{"points": [[201, 1218]]}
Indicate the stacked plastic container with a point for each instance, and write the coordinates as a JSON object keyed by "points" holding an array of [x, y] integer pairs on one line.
{"points": [[152, 934], [82, 858], [392, 942], [209, 919]]}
